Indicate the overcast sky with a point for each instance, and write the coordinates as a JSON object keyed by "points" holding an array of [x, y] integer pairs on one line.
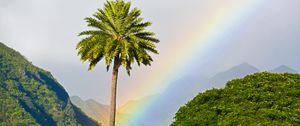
{"points": [[45, 31]]}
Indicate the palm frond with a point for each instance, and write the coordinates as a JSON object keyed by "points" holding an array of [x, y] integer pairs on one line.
{"points": [[118, 34]]}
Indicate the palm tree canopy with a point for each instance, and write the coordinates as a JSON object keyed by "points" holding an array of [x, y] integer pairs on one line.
{"points": [[117, 34]]}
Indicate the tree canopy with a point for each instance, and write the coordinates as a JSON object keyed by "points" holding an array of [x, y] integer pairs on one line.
{"points": [[267, 99], [117, 33]]}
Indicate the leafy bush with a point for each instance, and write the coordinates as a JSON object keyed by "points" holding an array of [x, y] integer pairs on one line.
{"points": [[265, 99]]}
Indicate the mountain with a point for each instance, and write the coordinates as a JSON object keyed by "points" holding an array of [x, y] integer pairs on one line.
{"points": [[31, 96], [92, 108], [238, 71], [283, 69], [184, 89], [100, 112], [179, 93], [132, 104], [267, 99], [164, 105], [167, 103]]}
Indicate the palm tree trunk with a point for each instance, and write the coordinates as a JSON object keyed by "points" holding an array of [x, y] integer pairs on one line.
{"points": [[113, 101]]}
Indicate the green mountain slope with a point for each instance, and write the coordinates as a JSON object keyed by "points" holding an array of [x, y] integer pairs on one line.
{"points": [[260, 99], [31, 96]]}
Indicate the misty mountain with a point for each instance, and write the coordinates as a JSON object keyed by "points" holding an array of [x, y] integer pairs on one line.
{"points": [[95, 110], [184, 89], [283, 69], [100, 112], [132, 104], [165, 104], [235, 72], [31, 96], [181, 91], [178, 93]]}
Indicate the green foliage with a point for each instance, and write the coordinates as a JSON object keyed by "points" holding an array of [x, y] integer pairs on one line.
{"points": [[264, 99], [31, 96], [118, 33]]}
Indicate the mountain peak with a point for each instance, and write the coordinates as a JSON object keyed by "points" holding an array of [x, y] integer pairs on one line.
{"points": [[95, 110], [93, 102], [242, 68], [246, 65], [238, 71], [283, 69], [76, 97]]}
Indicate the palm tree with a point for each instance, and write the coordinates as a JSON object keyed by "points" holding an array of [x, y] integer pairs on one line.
{"points": [[118, 36]]}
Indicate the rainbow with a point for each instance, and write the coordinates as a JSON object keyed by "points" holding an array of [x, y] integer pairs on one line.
{"points": [[206, 35]]}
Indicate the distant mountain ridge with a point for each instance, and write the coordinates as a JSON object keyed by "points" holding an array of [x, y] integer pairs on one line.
{"points": [[284, 69], [100, 112], [95, 110], [174, 96], [31, 96], [238, 71]]}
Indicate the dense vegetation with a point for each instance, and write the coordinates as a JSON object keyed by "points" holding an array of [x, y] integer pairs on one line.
{"points": [[31, 96], [260, 99]]}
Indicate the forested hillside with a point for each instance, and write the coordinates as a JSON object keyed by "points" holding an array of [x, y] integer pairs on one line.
{"points": [[258, 99], [31, 96]]}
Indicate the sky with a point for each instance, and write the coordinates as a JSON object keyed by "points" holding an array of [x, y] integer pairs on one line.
{"points": [[45, 31]]}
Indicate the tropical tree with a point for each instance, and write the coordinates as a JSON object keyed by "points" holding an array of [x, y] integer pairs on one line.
{"points": [[118, 35]]}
